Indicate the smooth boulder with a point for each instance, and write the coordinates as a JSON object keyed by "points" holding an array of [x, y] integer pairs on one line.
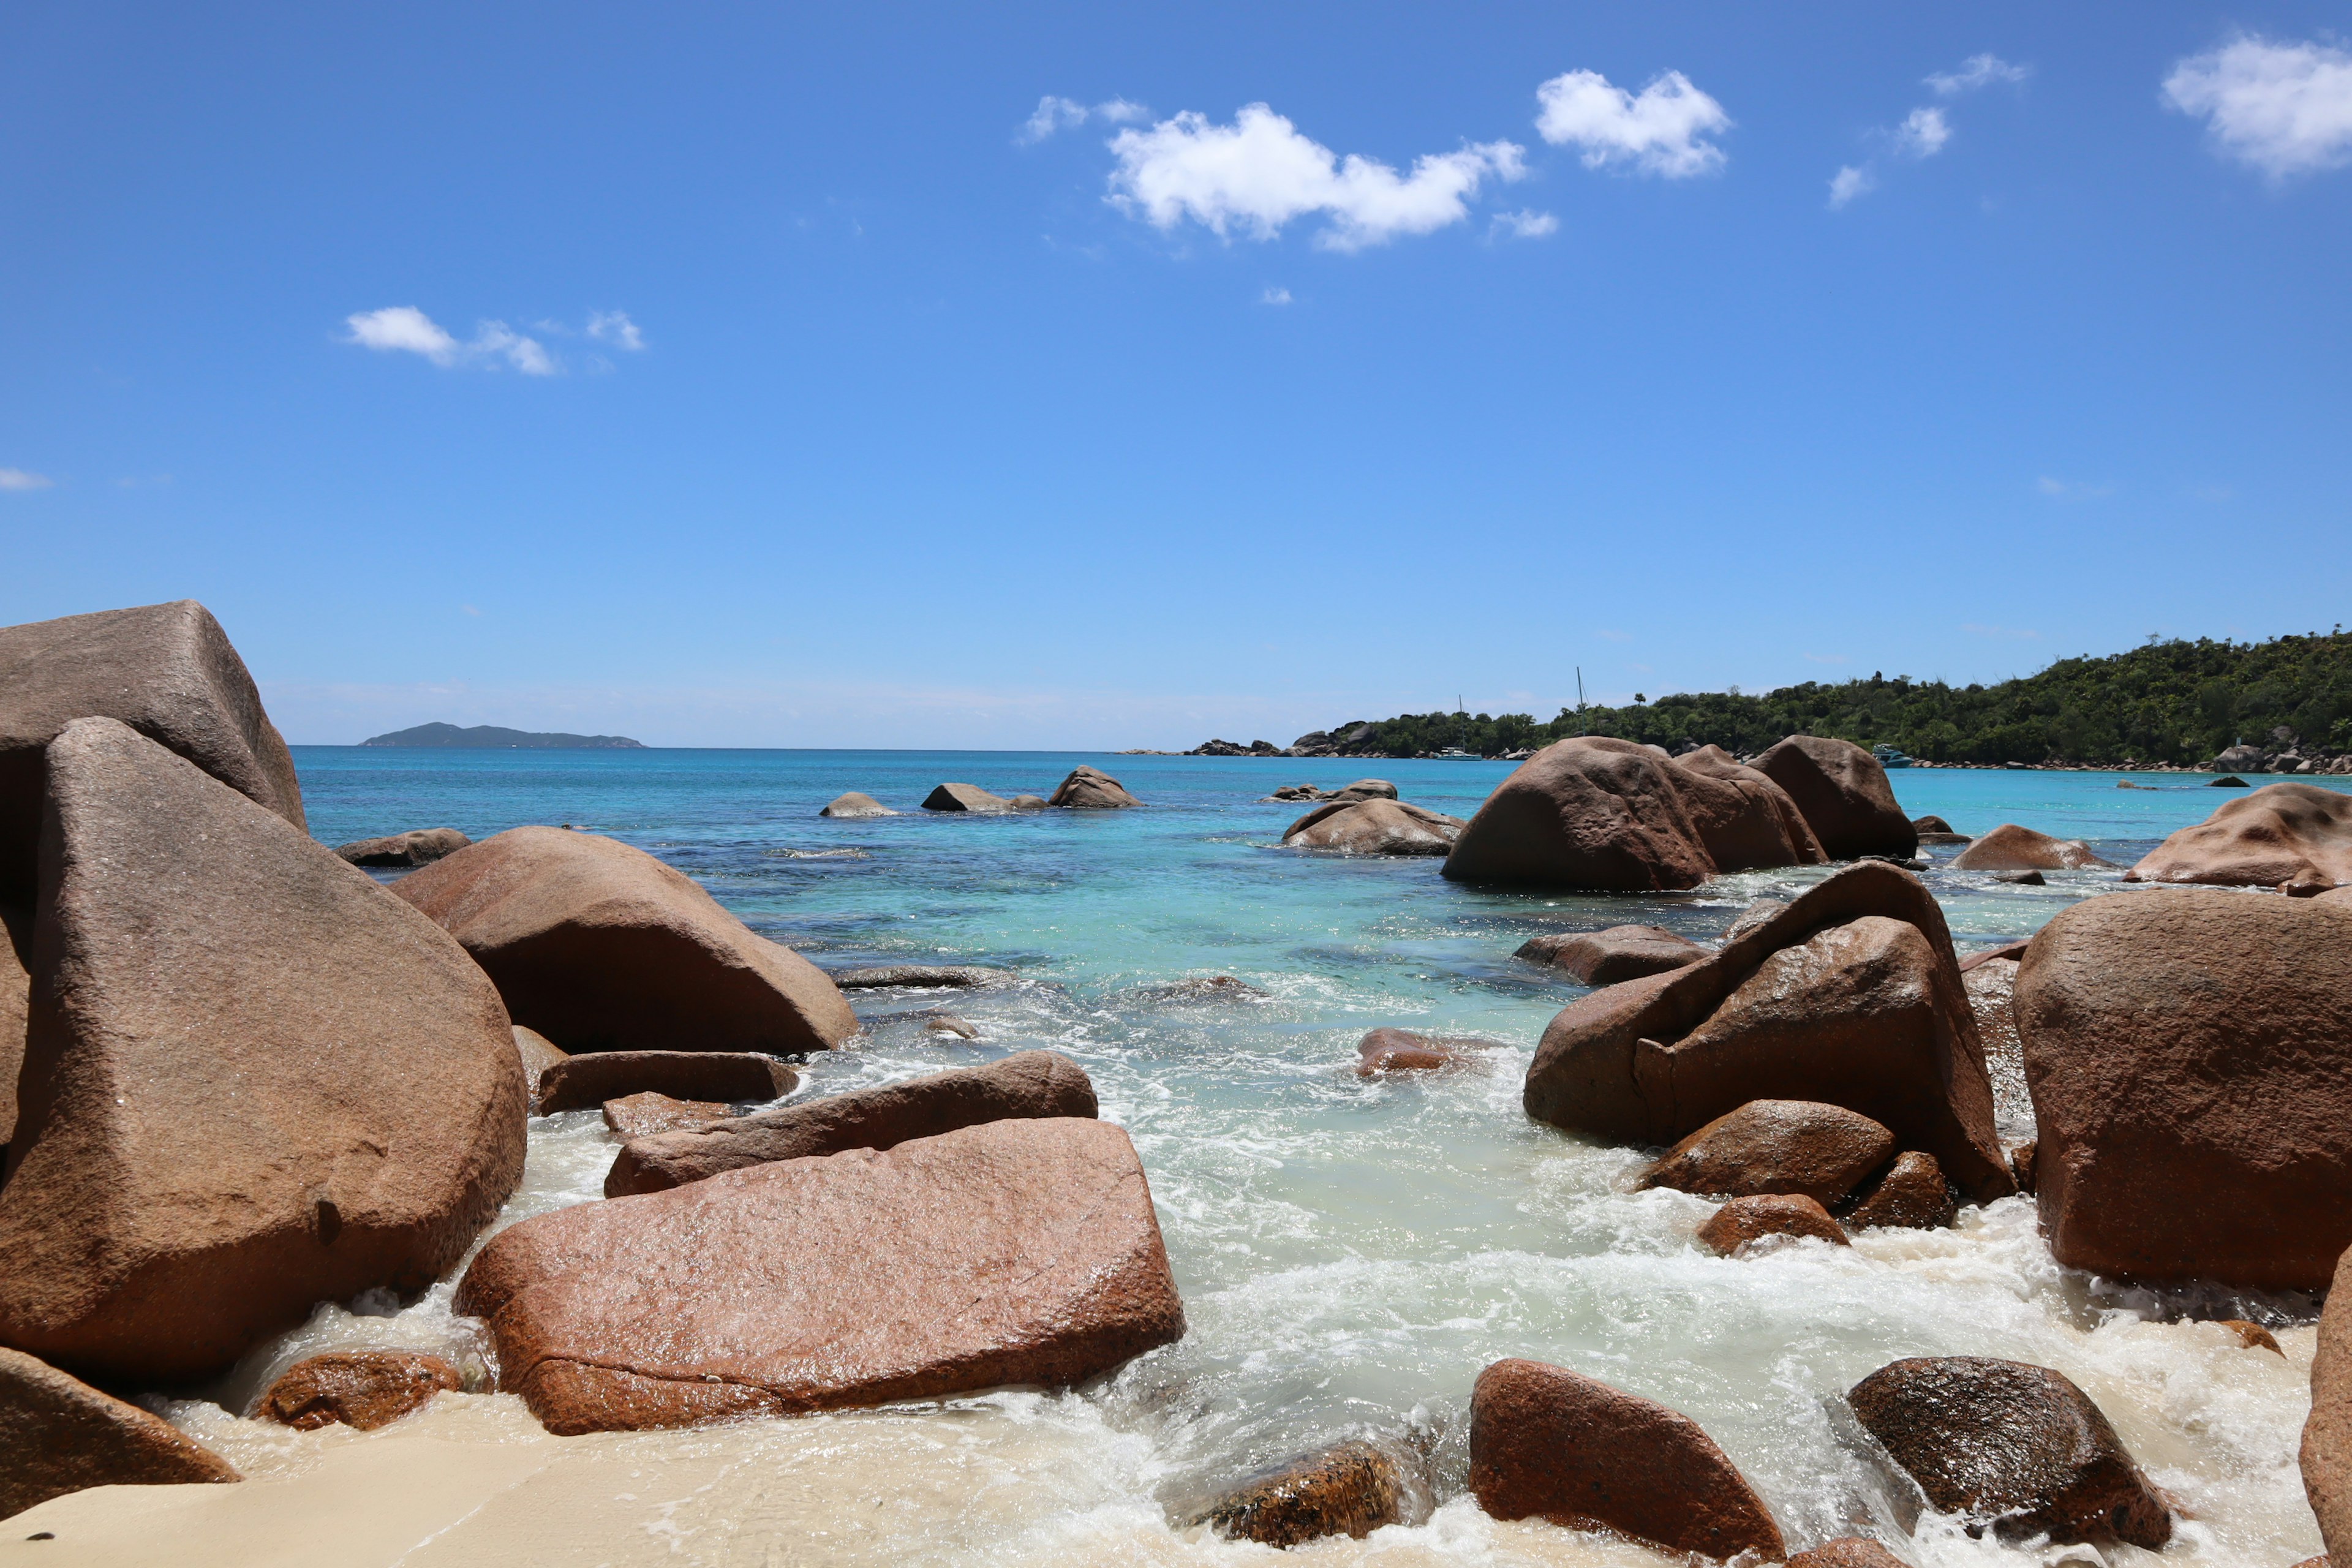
{"points": [[1743, 1220], [647, 1115], [964, 797], [2017, 1446], [1016, 1252], [1933, 829], [362, 1389], [1031, 1084], [1362, 789], [2290, 834], [2186, 1053], [419, 847], [1746, 822], [168, 672], [538, 1052], [255, 1080], [1588, 814], [2010, 847], [1547, 1443], [1823, 1151], [1387, 1050], [1350, 1488], [1848, 995], [1091, 789], [1843, 793], [854, 804], [2327, 1431], [1373, 826], [1911, 1196], [1606, 957], [601, 947], [58, 1435], [723, 1076]]}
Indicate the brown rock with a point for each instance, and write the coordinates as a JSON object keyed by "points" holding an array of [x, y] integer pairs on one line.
{"points": [[1091, 789], [1843, 793], [419, 847], [2253, 1336], [1031, 802], [2010, 847], [1776, 1146], [166, 671], [1743, 1220], [964, 797], [646, 1115], [2021, 1166], [580, 1082], [58, 1435], [1745, 821], [1401, 1050], [1620, 953], [1848, 1552], [1930, 824], [1373, 826], [1032, 1084], [1850, 997], [921, 976], [854, 804], [1911, 1196], [1363, 789], [539, 1052], [2193, 1095], [254, 1081], [601, 947], [1547, 1443], [949, 1024], [366, 1389], [16, 999], [2328, 1431], [2007, 953], [1203, 989], [1588, 814], [2018, 1445], [2292, 832], [1017, 1252], [1352, 1490]]}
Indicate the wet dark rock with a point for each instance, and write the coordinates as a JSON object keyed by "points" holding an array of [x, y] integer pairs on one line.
{"points": [[1848, 1552], [2010, 847], [58, 1435], [1352, 1490], [721, 1075], [1203, 989], [921, 976], [365, 1389], [854, 804], [1620, 953], [647, 1114], [1090, 788], [1911, 1196], [2229, 782], [2022, 878], [949, 1024], [2019, 1448], [1776, 1146], [1743, 1220], [1401, 1050], [420, 847], [2021, 1164], [1935, 830], [964, 797], [1843, 793]]}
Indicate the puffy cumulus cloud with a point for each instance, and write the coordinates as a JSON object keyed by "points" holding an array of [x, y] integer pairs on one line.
{"points": [[1662, 130], [404, 329], [1067, 113], [22, 479], [2283, 109], [1976, 72], [1922, 134], [1260, 172], [1853, 180]]}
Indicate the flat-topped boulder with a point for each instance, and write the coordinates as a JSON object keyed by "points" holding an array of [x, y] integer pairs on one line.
{"points": [[964, 797], [1848, 995], [854, 804], [1606, 957], [362, 1389], [1030, 1084], [2186, 1053], [2010, 847], [1016, 1252], [579, 1082], [1745, 821], [58, 1435], [1373, 826], [1091, 789], [267, 1081], [168, 672], [2290, 834], [2328, 1431], [419, 847], [647, 1114], [1843, 793], [601, 947], [1591, 814], [921, 976], [1823, 1151]]}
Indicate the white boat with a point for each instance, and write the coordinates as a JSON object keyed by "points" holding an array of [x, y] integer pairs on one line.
{"points": [[1889, 756]]}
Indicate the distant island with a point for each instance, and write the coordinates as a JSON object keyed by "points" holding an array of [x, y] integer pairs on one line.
{"points": [[490, 737]]}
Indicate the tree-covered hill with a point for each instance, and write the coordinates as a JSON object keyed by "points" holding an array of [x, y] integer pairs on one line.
{"points": [[2176, 701]]}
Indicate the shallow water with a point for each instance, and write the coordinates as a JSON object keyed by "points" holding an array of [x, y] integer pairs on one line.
{"points": [[1351, 1255]]}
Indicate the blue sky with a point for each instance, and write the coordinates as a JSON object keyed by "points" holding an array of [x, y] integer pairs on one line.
{"points": [[1002, 377]]}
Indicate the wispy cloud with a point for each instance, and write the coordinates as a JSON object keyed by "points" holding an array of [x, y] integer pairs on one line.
{"points": [[1524, 223], [22, 479], [1662, 130], [2283, 109], [1259, 173], [2067, 490], [1850, 181], [1922, 134], [1275, 296], [404, 329], [614, 327], [1927, 129], [1976, 72], [1067, 113]]}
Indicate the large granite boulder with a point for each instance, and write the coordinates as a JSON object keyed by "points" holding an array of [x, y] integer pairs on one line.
{"points": [[166, 671], [1848, 995], [2016, 1445], [418, 846], [1373, 826], [16, 1000], [363, 1389], [1031, 1084], [601, 947], [1016, 1252], [1745, 821], [1590, 812], [1606, 957], [2327, 1433], [856, 803], [2010, 847], [1823, 1151], [2295, 833], [255, 1080], [1547, 1443], [1090, 788], [1843, 793], [2186, 1053], [58, 1435], [964, 797], [726, 1076]]}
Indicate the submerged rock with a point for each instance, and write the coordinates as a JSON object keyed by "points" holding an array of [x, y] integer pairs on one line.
{"points": [[58, 1435], [2010, 847], [1031, 1084], [2252, 1335], [601, 947], [2187, 1056], [1822, 1152], [1387, 1050], [580, 1082], [264, 1081], [1017, 1252], [2017, 1446], [921, 976], [1584, 814], [1620, 953], [1373, 826], [1743, 1220], [856, 803], [1091, 789], [949, 1024], [647, 1115], [2283, 833], [365, 1389], [964, 797], [1911, 1196], [1203, 988], [1351, 1488], [1547, 1443], [1843, 793], [420, 847]]}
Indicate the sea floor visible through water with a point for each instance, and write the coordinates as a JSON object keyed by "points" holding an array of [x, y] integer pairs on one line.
{"points": [[1350, 1253]]}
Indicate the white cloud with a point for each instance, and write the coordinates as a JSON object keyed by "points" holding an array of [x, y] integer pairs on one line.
{"points": [[615, 328], [1663, 132], [2070, 489], [22, 479], [1275, 297], [1526, 224], [1259, 173], [524, 353], [1976, 72], [1849, 182], [1922, 134], [2285, 109], [1067, 113], [403, 329]]}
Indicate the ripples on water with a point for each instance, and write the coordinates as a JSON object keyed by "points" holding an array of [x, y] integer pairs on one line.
{"points": [[1351, 1254]]}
